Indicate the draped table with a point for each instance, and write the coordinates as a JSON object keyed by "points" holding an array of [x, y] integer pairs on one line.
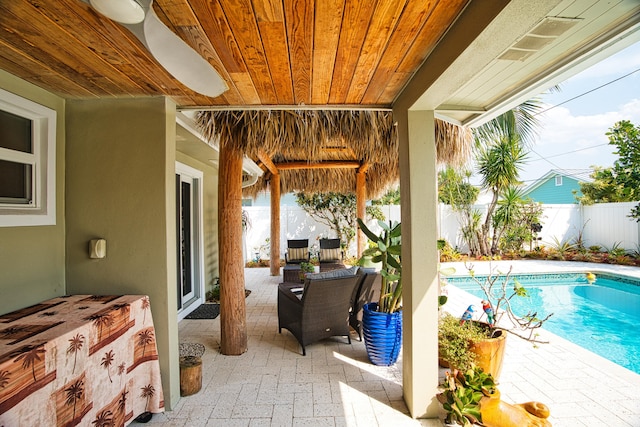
{"points": [[79, 360]]}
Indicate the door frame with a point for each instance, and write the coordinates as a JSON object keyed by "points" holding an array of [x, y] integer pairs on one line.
{"points": [[197, 236]]}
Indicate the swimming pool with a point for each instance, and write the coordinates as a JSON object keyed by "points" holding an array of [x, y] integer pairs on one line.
{"points": [[602, 317]]}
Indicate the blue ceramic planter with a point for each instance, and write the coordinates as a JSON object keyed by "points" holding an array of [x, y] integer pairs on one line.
{"points": [[382, 335]]}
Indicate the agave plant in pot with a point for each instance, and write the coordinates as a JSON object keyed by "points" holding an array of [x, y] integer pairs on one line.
{"points": [[382, 320]]}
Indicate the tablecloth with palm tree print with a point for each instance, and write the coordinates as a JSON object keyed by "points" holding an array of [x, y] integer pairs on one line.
{"points": [[79, 360]]}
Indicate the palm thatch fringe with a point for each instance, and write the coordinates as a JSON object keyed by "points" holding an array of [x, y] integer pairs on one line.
{"points": [[313, 136]]}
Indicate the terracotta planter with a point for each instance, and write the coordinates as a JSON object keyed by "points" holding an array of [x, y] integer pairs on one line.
{"points": [[490, 353]]}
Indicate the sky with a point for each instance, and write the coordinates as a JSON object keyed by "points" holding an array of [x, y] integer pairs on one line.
{"points": [[572, 134]]}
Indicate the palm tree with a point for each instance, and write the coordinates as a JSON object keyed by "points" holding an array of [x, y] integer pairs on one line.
{"points": [[74, 393], [501, 148], [499, 165], [147, 393], [107, 360], [103, 419], [75, 345], [145, 337], [4, 378], [30, 357]]}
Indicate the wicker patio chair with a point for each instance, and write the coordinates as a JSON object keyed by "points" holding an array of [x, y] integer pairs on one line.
{"points": [[297, 251], [331, 255], [367, 291], [320, 311]]}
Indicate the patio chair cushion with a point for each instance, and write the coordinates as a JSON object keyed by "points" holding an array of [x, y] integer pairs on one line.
{"points": [[296, 254], [330, 254], [344, 272]]}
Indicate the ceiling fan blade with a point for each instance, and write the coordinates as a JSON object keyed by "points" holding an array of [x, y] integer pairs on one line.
{"points": [[179, 59], [175, 56]]}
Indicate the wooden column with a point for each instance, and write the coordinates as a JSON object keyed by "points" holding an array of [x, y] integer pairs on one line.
{"points": [[233, 321], [361, 206], [274, 187]]}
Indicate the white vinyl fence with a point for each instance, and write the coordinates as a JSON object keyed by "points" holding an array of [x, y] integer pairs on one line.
{"points": [[606, 225], [295, 223]]}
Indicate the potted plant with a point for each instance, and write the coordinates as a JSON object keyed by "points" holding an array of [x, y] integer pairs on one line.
{"points": [[464, 341], [382, 320], [305, 267], [462, 394]]}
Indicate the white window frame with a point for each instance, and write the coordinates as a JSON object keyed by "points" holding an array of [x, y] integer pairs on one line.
{"points": [[42, 209], [558, 180]]}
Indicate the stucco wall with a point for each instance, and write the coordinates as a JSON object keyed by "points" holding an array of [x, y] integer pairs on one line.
{"points": [[121, 187], [32, 258]]}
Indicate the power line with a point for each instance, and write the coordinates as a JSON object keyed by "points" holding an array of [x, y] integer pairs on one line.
{"points": [[587, 92], [569, 152]]}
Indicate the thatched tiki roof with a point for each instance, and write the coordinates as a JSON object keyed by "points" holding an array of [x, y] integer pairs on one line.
{"points": [[320, 151]]}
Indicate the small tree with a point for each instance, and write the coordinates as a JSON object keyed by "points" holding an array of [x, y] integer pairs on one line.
{"points": [[455, 190], [337, 211], [621, 183]]}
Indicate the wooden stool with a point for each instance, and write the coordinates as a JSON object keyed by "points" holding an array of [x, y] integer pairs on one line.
{"points": [[190, 375]]}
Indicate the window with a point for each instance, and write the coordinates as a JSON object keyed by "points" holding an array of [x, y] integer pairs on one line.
{"points": [[558, 180], [27, 162]]}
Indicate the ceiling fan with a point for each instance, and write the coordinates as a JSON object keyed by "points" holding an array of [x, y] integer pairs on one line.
{"points": [[176, 56]]}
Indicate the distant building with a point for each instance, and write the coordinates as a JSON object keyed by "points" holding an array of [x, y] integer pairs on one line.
{"points": [[558, 186]]}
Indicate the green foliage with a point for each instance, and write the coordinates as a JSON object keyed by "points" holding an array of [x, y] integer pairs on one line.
{"points": [[391, 197], [386, 249], [500, 154], [337, 211], [454, 188], [561, 246], [214, 293], [603, 188], [462, 394], [455, 340], [513, 220], [306, 267], [621, 183], [447, 252]]}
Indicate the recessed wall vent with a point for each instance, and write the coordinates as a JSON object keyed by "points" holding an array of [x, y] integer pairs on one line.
{"points": [[541, 36]]}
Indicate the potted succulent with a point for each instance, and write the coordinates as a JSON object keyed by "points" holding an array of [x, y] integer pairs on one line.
{"points": [[382, 320], [462, 394], [463, 341]]}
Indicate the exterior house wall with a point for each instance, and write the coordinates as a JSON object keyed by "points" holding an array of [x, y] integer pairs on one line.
{"points": [[550, 193], [32, 259], [121, 187]]}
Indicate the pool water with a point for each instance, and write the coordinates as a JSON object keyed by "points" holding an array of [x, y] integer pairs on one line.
{"points": [[602, 317]]}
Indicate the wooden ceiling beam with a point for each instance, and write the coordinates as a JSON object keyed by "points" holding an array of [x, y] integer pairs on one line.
{"points": [[336, 164], [267, 162]]}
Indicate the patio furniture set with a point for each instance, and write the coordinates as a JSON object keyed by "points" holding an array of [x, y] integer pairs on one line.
{"points": [[330, 257], [327, 303]]}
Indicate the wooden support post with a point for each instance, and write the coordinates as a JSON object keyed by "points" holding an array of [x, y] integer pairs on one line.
{"points": [[274, 188], [361, 206], [233, 321]]}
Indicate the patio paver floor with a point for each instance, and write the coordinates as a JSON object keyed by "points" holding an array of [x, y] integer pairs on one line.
{"points": [[272, 384]]}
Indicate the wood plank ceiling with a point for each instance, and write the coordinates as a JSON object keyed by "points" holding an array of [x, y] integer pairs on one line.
{"points": [[270, 52]]}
